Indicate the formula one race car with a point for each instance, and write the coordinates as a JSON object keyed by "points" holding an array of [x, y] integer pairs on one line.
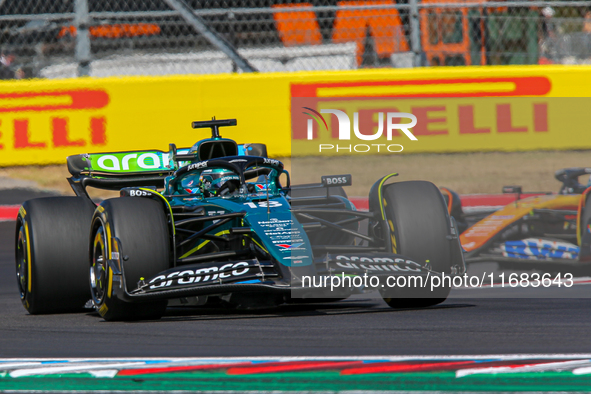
{"points": [[214, 225], [540, 231]]}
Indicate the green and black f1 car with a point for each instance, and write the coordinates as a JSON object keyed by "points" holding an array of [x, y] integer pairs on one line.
{"points": [[214, 224]]}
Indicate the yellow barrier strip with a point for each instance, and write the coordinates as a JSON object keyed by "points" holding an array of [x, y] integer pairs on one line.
{"points": [[43, 121]]}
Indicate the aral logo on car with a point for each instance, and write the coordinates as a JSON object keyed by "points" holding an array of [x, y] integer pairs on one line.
{"points": [[129, 161]]}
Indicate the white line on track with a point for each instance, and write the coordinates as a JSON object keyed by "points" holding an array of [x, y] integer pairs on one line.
{"points": [[70, 368], [538, 367], [582, 371], [303, 358], [9, 365], [108, 367]]}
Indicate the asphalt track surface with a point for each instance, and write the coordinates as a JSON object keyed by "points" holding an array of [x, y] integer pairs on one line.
{"points": [[359, 326]]}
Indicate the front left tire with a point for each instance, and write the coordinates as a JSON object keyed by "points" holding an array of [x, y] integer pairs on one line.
{"points": [[51, 251], [142, 229]]}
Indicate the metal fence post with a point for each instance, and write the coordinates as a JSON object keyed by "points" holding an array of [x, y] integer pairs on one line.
{"points": [[415, 33], [81, 21], [232, 36]]}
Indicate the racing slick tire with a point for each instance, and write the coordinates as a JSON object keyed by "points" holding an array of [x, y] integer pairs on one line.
{"points": [[51, 252], [417, 211], [141, 227], [584, 241]]}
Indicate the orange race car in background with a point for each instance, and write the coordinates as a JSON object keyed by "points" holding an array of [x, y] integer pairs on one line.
{"points": [[538, 231]]}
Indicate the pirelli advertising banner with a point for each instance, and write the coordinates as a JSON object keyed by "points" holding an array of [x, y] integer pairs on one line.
{"points": [[309, 113], [526, 108]]}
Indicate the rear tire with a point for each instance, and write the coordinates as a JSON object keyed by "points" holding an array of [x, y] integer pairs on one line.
{"points": [[51, 253], [141, 226], [584, 236], [421, 226]]}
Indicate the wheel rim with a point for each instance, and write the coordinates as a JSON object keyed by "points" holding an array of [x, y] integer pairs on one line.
{"points": [[22, 270], [98, 268]]}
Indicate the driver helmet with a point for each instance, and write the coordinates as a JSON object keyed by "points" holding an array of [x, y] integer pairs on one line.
{"points": [[212, 182]]}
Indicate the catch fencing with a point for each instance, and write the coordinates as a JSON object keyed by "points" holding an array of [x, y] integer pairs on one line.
{"points": [[68, 38]]}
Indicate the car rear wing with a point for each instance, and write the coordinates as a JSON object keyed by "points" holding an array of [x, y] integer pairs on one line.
{"points": [[121, 164], [115, 170], [144, 162]]}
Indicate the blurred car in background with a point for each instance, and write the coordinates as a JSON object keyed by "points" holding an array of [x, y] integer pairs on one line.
{"points": [[538, 230]]}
